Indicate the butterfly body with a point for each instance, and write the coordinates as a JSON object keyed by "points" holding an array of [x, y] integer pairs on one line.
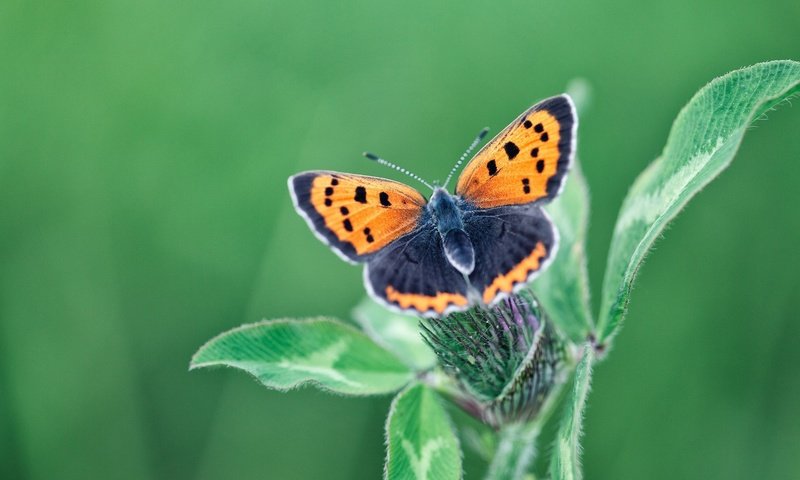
{"points": [[447, 216], [480, 244]]}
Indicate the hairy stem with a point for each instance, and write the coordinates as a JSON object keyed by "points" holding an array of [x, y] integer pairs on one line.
{"points": [[515, 451], [516, 448]]}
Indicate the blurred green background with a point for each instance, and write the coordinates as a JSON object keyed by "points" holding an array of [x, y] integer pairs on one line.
{"points": [[144, 151]]}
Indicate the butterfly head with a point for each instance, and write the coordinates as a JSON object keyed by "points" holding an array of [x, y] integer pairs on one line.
{"points": [[442, 205]]}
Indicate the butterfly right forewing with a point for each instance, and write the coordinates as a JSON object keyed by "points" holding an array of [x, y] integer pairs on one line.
{"points": [[526, 162]]}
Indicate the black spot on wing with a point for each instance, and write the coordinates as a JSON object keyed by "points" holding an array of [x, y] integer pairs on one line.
{"points": [[511, 149], [384, 197], [301, 186], [361, 195], [492, 168]]}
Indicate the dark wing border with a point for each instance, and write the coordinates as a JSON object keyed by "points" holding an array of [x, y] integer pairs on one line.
{"points": [[300, 190]]}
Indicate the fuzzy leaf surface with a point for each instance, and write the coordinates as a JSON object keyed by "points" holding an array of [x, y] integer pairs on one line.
{"points": [[284, 354], [702, 143], [563, 289], [565, 461], [420, 441]]}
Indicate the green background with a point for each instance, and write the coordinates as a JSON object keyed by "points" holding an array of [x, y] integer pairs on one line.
{"points": [[144, 151]]}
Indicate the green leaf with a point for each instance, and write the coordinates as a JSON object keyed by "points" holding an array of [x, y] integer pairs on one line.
{"points": [[563, 289], [397, 333], [702, 143], [565, 461], [420, 441], [284, 354]]}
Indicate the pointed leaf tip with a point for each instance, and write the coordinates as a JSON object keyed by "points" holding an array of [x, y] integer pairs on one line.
{"points": [[702, 143]]}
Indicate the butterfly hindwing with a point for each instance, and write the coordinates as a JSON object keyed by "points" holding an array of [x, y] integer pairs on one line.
{"points": [[512, 244], [413, 275], [525, 162], [356, 215]]}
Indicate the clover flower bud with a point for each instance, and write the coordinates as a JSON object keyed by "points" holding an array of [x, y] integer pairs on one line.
{"points": [[506, 358]]}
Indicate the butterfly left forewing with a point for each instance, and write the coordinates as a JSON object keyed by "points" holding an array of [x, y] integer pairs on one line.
{"points": [[356, 215], [527, 161]]}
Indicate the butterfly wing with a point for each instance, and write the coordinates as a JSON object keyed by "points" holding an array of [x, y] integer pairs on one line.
{"points": [[525, 162], [412, 275], [356, 215], [512, 244]]}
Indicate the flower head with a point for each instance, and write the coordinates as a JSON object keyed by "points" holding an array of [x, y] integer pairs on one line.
{"points": [[506, 358]]}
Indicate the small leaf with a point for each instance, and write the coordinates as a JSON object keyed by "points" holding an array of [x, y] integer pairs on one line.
{"points": [[395, 332], [420, 441], [702, 143], [563, 289], [284, 354], [565, 460]]}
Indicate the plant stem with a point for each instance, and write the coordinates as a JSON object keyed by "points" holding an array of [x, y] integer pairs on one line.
{"points": [[515, 451]]}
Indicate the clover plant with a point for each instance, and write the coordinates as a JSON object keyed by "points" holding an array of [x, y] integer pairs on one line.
{"points": [[529, 358]]}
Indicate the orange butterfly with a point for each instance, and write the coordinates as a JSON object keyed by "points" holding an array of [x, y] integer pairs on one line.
{"points": [[479, 245]]}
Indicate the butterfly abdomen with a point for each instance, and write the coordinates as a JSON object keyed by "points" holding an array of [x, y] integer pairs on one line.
{"points": [[459, 251], [455, 241]]}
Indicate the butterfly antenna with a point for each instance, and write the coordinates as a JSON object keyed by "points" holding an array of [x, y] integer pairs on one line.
{"points": [[464, 155], [378, 159]]}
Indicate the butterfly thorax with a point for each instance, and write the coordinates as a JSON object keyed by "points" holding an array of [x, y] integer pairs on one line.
{"points": [[447, 216]]}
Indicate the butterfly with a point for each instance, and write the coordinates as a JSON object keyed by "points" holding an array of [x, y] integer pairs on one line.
{"points": [[445, 254]]}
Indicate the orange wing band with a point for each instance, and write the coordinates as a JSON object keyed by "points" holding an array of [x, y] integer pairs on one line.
{"points": [[423, 303], [519, 274]]}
